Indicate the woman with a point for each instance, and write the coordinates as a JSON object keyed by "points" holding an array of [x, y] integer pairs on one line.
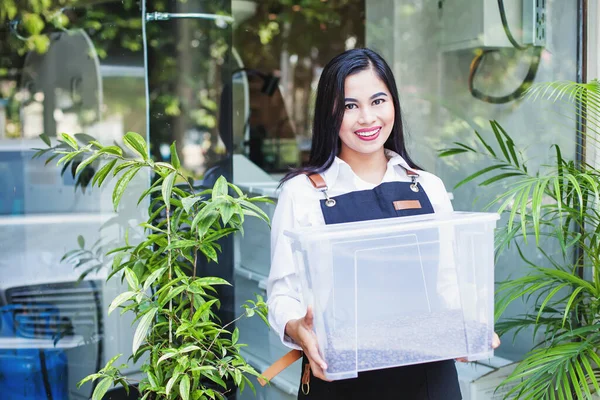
{"points": [[358, 153]]}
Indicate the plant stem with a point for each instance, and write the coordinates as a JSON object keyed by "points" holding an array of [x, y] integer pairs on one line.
{"points": [[193, 276], [170, 269]]}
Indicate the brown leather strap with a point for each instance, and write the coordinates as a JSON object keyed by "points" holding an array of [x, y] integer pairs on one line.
{"points": [[317, 181], [280, 365]]}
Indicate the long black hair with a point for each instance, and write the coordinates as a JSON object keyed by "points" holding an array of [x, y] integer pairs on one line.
{"points": [[329, 109]]}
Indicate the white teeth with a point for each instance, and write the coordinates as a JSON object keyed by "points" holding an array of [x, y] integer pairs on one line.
{"points": [[368, 133]]}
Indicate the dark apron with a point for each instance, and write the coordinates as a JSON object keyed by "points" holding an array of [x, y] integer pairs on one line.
{"points": [[430, 381]]}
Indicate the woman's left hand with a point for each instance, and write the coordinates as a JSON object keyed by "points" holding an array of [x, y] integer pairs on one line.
{"points": [[495, 345]]}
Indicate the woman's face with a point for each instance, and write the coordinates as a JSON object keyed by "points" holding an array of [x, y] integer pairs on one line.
{"points": [[368, 115]]}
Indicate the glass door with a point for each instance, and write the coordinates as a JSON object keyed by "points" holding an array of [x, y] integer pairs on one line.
{"points": [[86, 80]]}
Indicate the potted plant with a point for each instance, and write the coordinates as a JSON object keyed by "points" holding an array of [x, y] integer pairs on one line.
{"points": [[186, 351], [559, 202]]}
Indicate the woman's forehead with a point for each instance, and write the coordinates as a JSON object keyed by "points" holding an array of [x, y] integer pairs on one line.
{"points": [[364, 84]]}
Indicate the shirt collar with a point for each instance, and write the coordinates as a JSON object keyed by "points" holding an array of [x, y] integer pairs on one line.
{"points": [[332, 173]]}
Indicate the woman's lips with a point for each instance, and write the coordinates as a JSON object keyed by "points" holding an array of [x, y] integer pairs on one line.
{"points": [[368, 134]]}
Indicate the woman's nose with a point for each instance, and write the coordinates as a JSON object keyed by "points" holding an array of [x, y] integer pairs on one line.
{"points": [[366, 116]]}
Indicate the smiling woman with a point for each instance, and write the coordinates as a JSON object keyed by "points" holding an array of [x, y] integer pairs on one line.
{"points": [[359, 170]]}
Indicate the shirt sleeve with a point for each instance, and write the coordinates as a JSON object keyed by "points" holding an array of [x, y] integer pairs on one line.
{"points": [[284, 298], [447, 282], [440, 198]]}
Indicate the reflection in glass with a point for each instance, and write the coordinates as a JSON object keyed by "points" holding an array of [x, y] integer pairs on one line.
{"points": [[89, 81]]}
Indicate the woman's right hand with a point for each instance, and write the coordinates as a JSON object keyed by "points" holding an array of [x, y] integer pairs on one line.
{"points": [[301, 332]]}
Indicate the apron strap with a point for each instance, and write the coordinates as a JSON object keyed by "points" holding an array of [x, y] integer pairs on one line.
{"points": [[279, 365], [319, 183], [413, 177]]}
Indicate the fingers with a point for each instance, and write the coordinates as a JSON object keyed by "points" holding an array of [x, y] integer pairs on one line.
{"points": [[317, 371], [309, 345], [495, 341], [312, 352], [462, 359]]}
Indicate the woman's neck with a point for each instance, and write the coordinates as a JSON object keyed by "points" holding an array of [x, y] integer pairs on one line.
{"points": [[369, 167]]}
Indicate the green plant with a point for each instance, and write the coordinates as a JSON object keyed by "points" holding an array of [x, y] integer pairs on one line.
{"points": [[557, 204], [184, 347]]}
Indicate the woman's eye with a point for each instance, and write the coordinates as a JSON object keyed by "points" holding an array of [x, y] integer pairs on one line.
{"points": [[350, 106], [378, 101]]}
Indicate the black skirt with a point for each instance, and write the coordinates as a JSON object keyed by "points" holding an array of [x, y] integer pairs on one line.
{"points": [[430, 381]]}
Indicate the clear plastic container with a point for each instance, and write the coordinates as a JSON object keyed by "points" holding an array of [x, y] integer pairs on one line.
{"points": [[399, 291]]}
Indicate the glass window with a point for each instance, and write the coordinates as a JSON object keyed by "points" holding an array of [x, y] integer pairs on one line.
{"points": [[237, 97], [88, 80]]}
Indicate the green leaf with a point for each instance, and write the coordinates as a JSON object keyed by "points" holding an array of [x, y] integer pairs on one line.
{"points": [[570, 303], [49, 159], [510, 144], [499, 177], [483, 142], [124, 165], [153, 277], [451, 152], [81, 241], [210, 281], [142, 329], [261, 214], [87, 379], [220, 187], [114, 150], [187, 349], [500, 140], [70, 141], [184, 387], [171, 383], [167, 188], [65, 159], [136, 143], [174, 157], [102, 388], [188, 202], [112, 361], [235, 336], [122, 185], [217, 379], [171, 295], [204, 220], [203, 310], [46, 139], [478, 173], [87, 162], [103, 172], [120, 299], [216, 235], [182, 244], [132, 279], [209, 251], [166, 356], [227, 211]]}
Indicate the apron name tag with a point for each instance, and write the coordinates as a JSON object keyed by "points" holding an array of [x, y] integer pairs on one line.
{"points": [[407, 205]]}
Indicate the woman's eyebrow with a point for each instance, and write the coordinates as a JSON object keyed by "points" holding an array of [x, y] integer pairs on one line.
{"points": [[350, 99]]}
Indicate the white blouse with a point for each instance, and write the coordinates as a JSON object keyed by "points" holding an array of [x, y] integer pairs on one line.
{"points": [[298, 205]]}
